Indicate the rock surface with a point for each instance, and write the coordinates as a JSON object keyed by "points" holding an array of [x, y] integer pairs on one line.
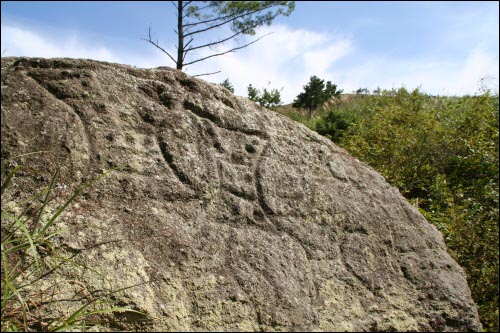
{"points": [[236, 217]]}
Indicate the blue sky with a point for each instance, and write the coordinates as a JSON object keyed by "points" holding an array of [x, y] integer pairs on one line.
{"points": [[442, 47]]}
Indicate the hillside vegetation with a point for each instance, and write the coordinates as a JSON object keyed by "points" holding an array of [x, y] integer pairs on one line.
{"points": [[442, 154]]}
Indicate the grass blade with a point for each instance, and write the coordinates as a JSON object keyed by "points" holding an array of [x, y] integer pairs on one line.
{"points": [[46, 200], [71, 199], [9, 177], [27, 234], [80, 315]]}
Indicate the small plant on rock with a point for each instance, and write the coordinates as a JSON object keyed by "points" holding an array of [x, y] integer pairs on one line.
{"points": [[27, 247]]}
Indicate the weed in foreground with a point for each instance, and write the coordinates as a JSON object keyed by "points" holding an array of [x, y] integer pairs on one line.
{"points": [[26, 244]]}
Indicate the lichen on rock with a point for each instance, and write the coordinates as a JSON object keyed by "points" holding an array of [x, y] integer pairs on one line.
{"points": [[235, 217]]}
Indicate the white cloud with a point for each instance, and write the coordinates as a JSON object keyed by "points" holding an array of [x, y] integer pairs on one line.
{"points": [[478, 65], [319, 61], [278, 58], [286, 58], [21, 41], [445, 77], [24, 42]]}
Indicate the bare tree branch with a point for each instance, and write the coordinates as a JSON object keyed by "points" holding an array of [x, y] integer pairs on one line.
{"points": [[186, 4], [223, 40], [206, 74], [222, 53], [186, 50], [173, 4], [187, 44], [158, 46]]}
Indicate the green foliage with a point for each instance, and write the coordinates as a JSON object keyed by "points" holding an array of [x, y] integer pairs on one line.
{"points": [[443, 154], [228, 85], [267, 98], [253, 93], [198, 17], [362, 91], [245, 15], [28, 255], [333, 126], [315, 94]]}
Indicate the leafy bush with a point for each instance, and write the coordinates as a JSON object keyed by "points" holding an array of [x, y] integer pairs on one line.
{"points": [[333, 126], [268, 99], [228, 85], [442, 153]]}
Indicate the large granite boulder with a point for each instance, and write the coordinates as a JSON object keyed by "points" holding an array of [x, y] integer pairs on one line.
{"points": [[226, 215]]}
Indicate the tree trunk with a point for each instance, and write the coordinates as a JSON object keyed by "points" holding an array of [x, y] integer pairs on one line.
{"points": [[180, 33]]}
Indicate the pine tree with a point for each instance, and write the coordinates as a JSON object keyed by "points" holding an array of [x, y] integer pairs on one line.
{"points": [[197, 17], [315, 94]]}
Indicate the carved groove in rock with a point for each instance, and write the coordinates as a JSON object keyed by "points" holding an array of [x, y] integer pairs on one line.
{"points": [[168, 157], [202, 113], [238, 218], [78, 116], [258, 182]]}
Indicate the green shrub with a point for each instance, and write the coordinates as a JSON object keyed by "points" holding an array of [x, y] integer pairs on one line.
{"points": [[442, 154], [333, 126], [267, 98], [228, 85]]}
